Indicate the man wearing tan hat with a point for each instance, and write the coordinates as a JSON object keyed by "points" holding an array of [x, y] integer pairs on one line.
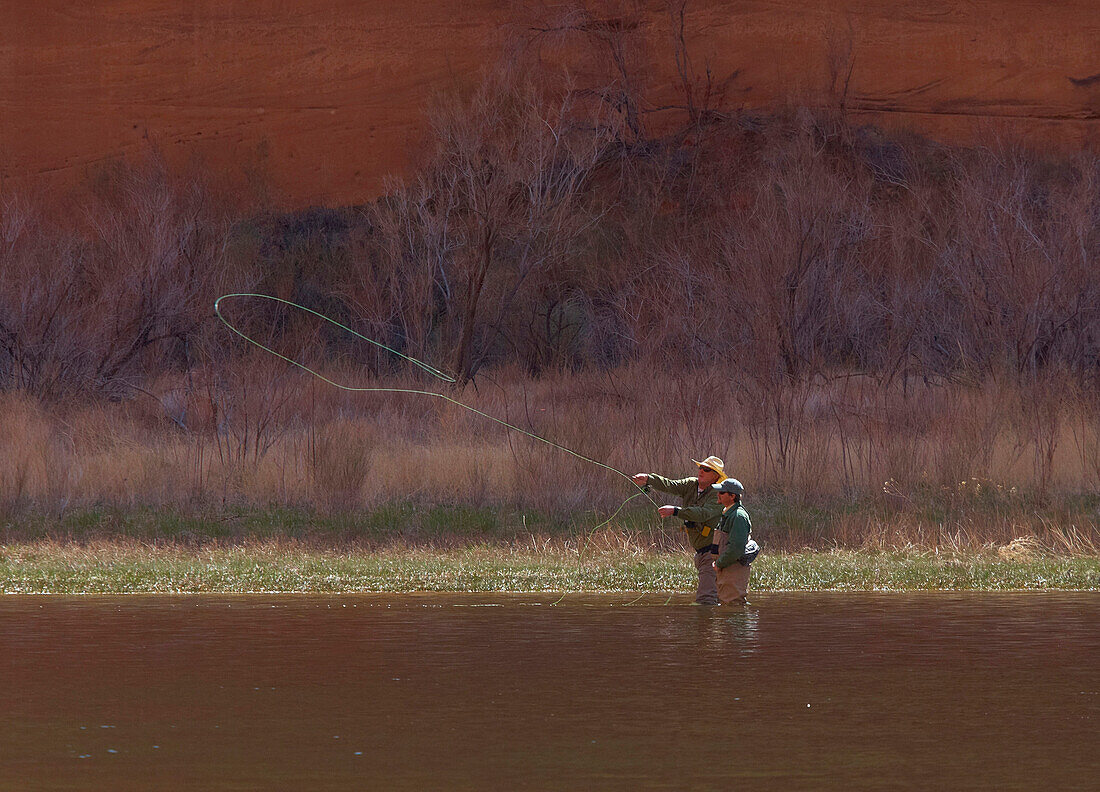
{"points": [[700, 512]]}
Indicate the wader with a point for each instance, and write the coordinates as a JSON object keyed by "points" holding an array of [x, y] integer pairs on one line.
{"points": [[733, 581], [708, 591]]}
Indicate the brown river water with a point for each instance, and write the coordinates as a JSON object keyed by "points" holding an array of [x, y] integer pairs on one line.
{"points": [[424, 692]]}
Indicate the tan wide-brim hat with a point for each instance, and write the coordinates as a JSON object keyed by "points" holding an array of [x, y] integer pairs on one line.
{"points": [[714, 463]]}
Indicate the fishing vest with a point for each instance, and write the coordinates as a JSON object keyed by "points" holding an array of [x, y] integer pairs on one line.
{"points": [[701, 534]]}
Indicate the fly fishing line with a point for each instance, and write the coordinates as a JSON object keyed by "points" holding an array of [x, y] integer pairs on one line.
{"points": [[427, 368]]}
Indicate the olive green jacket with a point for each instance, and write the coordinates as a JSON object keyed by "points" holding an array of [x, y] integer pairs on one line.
{"points": [[736, 523], [700, 512]]}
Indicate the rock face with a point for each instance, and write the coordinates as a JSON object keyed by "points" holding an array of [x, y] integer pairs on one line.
{"points": [[324, 98]]}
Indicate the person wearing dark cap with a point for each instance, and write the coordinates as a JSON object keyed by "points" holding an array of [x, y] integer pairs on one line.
{"points": [[700, 512], [736, 548]]}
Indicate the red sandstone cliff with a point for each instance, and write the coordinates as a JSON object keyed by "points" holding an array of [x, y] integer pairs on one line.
{"points": [[325, 96]]}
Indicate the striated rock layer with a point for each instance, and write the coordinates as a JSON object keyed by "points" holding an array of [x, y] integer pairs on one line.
{"points": [[324, 98]]}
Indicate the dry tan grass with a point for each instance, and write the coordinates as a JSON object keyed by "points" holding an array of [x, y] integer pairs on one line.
{"points": [[968, 452]]}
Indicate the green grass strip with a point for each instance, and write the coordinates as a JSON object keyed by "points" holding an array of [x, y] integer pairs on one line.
{"points": [[63, 568]]}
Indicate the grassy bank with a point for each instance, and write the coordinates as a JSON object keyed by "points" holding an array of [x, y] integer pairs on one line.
{"points": [[129, 566], [403, 547]]}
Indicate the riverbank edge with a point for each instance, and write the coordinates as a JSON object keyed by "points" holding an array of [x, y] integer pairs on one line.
{"points": [[127, 567]]}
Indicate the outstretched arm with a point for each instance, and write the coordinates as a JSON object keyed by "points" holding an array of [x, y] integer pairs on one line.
{"points": [[679, 487], [703, 513]]}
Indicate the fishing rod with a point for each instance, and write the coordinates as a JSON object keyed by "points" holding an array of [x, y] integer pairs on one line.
{"points": [[427, 368]]}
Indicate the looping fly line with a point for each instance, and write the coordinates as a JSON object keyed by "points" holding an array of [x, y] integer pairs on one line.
{"points": [[430, 369]]}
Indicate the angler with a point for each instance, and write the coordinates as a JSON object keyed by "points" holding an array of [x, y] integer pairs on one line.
{"points": [[736, 548], [700, 512]]}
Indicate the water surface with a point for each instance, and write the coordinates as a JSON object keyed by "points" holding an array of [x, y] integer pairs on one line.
{"points": [[798, 691]]}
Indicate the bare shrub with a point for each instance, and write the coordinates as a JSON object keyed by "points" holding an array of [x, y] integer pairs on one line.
{"points": [[604, 40], [253, 404], [489, 220], [1025, 253], [98, 304], [41, 315]]}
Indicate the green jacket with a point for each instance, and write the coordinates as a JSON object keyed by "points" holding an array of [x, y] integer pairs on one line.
{"points": [[735, 522], [700, 512]]}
